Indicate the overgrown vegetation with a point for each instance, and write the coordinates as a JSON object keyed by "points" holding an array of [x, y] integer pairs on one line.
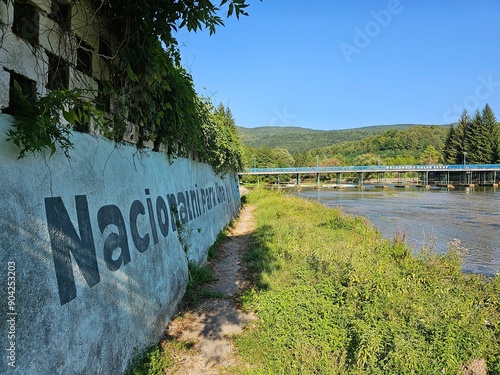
{"points": [[333, 297], [158, 93], [38, 124], [145, 92], [152, 362], [199, 276], [212, 250]]}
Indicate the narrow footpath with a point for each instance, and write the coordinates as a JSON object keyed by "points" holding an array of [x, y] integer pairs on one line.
{"points": [[210, 325]]}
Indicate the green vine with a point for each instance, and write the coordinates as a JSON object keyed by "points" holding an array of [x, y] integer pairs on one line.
{"points": [[143, 84], [39, 126]]}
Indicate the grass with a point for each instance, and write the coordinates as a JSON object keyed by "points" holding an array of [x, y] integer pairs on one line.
{"points": [[157, 358], [333, 297], [221, 236]]}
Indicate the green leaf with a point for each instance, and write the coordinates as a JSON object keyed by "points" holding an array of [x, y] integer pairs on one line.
{"points": [[131, 75], [70, 116]]}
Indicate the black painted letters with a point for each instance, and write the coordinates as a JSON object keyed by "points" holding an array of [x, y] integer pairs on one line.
{"points": [[145, 228]]}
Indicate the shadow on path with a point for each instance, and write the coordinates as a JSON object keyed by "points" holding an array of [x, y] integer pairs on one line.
{"points": [[210, 325]]}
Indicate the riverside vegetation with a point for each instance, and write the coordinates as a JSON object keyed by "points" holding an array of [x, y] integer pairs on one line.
{"points": [[333, 297]]}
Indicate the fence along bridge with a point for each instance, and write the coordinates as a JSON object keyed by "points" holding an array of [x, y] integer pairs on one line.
{"points": [[440, 174]]}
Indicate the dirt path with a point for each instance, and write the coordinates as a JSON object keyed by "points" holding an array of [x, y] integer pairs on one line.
{"points": [[210, 325]]}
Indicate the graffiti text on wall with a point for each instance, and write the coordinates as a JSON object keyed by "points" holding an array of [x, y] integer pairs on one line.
{"points": [[161, 214]]}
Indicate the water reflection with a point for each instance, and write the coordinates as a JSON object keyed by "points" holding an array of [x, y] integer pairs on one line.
{"points": [[440, 215]]}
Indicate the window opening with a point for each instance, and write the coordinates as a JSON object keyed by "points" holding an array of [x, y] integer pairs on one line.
{"points": [[22, 92], [84, 58], [58, 73], [60, 12], [26, 21]]}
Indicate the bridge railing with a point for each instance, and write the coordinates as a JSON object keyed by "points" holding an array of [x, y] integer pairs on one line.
{"points": [[376, 168]]}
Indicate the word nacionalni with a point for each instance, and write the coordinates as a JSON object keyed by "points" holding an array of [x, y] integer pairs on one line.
{"points": [[160, 217]]}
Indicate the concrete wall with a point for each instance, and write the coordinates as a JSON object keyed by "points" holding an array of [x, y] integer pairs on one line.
{"points": [[32, 61], [92, 260]]}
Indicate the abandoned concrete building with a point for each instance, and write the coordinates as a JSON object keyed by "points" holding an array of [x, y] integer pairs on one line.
{"points": [[50, 45]]}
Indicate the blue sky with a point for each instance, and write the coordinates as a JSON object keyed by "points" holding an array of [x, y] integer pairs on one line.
{"points": [[340, 64]]}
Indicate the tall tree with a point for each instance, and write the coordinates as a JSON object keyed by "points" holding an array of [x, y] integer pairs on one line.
{"points": [[478, 140], [283, 158], [430, 156], [492, 129], [474, 140], [226, 147], [265, 157], [367, 159], [460, 140], [450, 151], [304, 159]]}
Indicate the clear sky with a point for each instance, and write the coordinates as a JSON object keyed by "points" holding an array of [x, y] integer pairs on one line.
{"points": [[340, 64]]}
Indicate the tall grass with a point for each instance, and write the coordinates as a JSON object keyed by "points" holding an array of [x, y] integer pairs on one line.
{"points": [[333, 297]]}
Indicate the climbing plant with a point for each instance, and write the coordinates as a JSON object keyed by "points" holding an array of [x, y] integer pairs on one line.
{"points": [[143, 85], [40, 122], [160, 97]]}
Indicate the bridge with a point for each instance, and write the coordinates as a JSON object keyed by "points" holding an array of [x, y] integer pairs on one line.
{"points": [[449, 175]]}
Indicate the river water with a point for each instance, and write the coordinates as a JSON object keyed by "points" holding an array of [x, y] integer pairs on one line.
{"points": [[429, 216]]}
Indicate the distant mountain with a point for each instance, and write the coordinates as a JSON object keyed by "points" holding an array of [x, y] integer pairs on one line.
{"points": [[296, 139]]}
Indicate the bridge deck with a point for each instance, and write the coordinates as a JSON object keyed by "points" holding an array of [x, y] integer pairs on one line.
{"points": [[373, 169]]}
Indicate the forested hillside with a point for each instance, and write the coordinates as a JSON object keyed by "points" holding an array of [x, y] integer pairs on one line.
{"points": [[296, 139], [415, 145], [387, 145]]}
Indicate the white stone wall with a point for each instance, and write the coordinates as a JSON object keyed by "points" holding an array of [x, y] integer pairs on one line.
{"points": [[89, 245], [31, 61]]}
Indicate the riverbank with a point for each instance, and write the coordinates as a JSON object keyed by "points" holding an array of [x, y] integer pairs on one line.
{"points": [[432, 217], [332, 297]]}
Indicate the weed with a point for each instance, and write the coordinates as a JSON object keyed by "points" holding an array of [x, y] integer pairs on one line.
{"points": [[198, 276], [151, 362], [213, 249]]}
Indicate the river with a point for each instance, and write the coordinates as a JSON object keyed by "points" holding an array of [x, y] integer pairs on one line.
{"points": [[427, 216]]}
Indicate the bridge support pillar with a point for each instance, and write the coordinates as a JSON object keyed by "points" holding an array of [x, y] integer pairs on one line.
{"points": [[380, 180], [360, 178], [466, 179], [423, 180], [298, 179]]}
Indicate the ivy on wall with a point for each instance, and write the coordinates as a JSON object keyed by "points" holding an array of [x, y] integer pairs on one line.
{"points": [[144, 85], [38, 125]]}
